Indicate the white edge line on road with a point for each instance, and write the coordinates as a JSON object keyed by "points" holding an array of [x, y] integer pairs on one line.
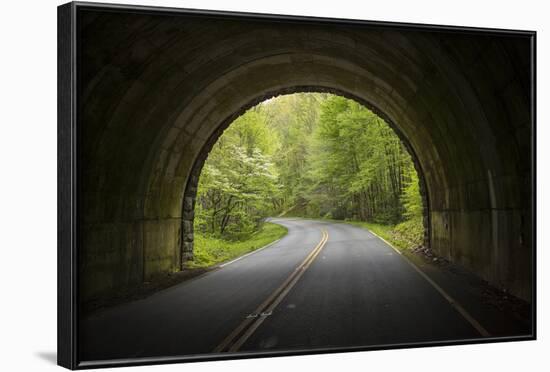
{"points": [[249, 253], [387, 242], [441, 291]]}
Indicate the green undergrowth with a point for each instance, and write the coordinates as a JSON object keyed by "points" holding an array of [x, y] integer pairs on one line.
{"points": [[406, 235], [210, 251]]}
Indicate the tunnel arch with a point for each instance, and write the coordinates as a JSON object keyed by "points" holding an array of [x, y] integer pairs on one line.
{"points": [[155, 88], [191, 187]]}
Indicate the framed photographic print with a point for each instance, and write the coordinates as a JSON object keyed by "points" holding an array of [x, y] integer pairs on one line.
{"points": [[237, 185]]}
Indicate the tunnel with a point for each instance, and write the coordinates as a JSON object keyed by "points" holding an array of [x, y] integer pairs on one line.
{"points": [[156, 91]]}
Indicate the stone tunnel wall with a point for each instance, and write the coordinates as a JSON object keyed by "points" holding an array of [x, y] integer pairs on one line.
{"points": [[156, 89]]}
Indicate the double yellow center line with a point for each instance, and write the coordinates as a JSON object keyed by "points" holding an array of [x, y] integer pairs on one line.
{"points": [[238, 337]]}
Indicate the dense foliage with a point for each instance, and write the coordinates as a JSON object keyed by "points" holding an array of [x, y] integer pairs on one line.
{"points": [[239, 181], [310, 155]]}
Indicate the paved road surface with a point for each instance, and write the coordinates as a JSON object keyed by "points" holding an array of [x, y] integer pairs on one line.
{"points": [[323, 285]]}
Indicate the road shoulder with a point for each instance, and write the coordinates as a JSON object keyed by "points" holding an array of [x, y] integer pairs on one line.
{"points": [[166, 281], [500, 313]]}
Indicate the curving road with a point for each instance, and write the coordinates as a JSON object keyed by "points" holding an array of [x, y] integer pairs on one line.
{"points": [[323, 285]]}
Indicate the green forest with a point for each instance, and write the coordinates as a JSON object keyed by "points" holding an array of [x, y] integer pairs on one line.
{"points": [[311, 155]]}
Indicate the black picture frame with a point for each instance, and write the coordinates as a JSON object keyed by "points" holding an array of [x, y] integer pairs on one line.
{"points": [[68, 177]]}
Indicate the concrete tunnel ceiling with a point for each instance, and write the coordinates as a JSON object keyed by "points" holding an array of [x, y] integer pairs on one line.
{"points": [[157, 90]]}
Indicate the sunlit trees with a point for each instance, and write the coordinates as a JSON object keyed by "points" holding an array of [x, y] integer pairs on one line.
{"points": [[238, 183], [293, 118], [359, 162], [312, 155]]}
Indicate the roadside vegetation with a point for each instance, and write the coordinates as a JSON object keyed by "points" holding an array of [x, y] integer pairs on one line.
{"points": [[404, 236], [305, 155], [211, 251]]}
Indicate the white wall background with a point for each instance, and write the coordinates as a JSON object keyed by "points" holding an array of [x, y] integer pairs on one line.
{"points": [[28, 184]]}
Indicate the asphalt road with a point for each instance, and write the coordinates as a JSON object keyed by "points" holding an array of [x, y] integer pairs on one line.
{"points": [[323, 285]]}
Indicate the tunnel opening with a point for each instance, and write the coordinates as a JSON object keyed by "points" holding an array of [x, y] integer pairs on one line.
{"points": [[401, 186]]}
